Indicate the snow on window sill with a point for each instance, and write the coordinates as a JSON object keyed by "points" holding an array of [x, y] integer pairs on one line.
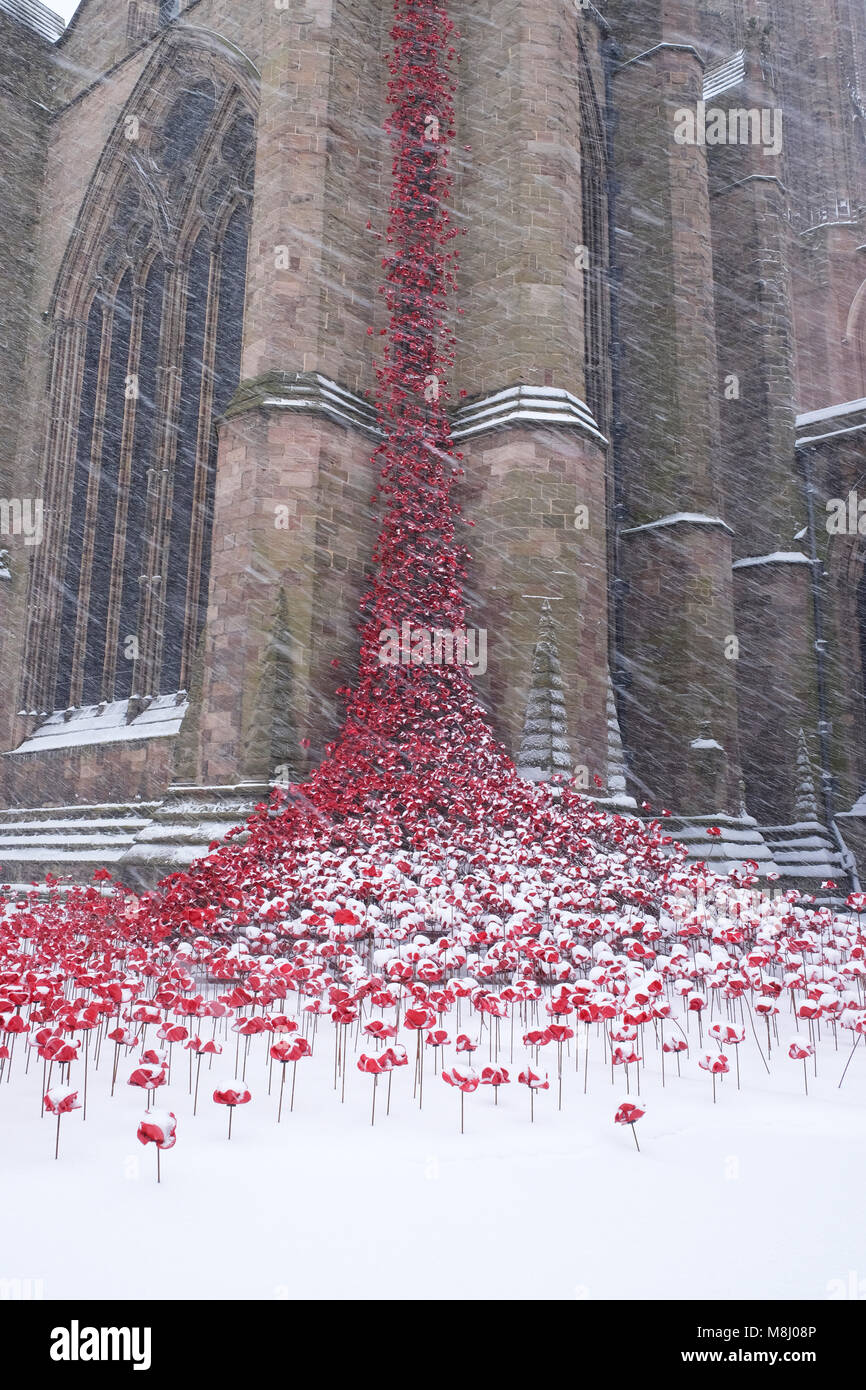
{"points": [[86, 726]]}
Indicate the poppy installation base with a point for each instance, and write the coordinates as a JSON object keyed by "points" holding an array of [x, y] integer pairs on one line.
{"points": [[413, 980]]}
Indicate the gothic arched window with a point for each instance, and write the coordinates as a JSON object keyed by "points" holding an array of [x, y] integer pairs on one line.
{"points": [[78, 509], [148, 317]]}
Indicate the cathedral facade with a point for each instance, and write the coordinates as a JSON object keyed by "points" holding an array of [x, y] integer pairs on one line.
{"points": [[659, 398]]}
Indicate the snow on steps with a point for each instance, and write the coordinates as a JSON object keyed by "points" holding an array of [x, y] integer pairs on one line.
{"points": [[184, 826], [803, 854], [740, 839], [68, 840], [805, 850], [140, 842]]}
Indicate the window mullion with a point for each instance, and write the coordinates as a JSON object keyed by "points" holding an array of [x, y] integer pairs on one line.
{"points": [[124, 480], [199, 518], [96, 461], [58, 469], [146, 675]]}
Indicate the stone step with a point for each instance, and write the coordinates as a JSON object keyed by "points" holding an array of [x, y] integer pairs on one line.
{"points": [[803, 855], [805, 851], [143, 842], [97, 833], [741, 838], [183, 828], [68, 841], [140, 842], [103, 813]]}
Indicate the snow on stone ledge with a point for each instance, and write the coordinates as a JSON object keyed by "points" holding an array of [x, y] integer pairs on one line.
{"points": [[831, 412], [86, 726], [679, 519], [722, 77], [46, 22], [778, 557], [532, 404]]}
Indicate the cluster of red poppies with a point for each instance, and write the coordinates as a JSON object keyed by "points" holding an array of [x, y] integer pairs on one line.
{"points": [[499, 948]]}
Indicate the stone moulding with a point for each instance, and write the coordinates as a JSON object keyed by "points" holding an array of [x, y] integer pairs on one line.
{"points": [[678, 519], [312, 393], [545, 405], [778, 557], [838, 420], [724, 76], [660, 48]]}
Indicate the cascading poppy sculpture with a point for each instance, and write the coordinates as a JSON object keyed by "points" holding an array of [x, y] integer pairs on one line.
{"points": [[415, 872]]}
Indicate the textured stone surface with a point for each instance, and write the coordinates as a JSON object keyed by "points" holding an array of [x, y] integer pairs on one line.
{"points": [[726, 262]]}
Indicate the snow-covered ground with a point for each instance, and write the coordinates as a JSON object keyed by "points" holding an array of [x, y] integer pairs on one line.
{"points": [[758, 1196]]}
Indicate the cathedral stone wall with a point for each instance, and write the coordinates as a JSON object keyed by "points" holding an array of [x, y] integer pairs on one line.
{"points": [[640, 526], [26, 81], [518, 193], [322, 174], [95, 775], [292, 513], [536, 498]]}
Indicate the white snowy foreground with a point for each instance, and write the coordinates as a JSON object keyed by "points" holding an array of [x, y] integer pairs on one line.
{"points": [[758, 1196]]}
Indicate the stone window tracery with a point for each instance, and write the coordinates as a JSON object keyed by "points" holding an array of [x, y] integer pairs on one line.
{"points": [[147, 330]]}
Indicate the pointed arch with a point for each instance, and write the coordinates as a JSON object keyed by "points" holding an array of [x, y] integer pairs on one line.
{"points": [[140, 373], [183, 56]]}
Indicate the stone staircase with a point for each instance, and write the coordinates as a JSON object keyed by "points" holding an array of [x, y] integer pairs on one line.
{"points": [[139, 842], [803, 855], [740, 839], [184, 826], [142, 842], [806, 854], [68, 841]]}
